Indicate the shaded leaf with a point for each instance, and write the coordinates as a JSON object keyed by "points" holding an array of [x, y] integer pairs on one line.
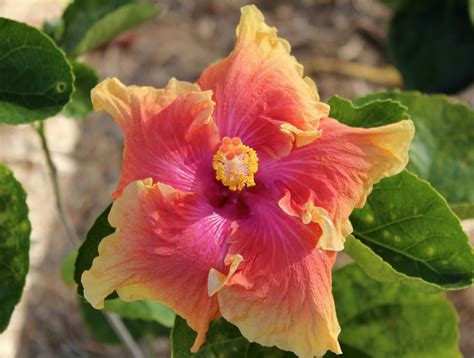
{"points": [[54, 28], [144, 310], [90, 23], [443, 148], [85, 80], [15, 229], [223, 340], [431, 44], [102, 331], [67, 268], [36, 80], [391, 320], [89, 248]]}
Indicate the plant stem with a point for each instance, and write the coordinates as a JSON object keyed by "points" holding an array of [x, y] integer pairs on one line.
{"points": [[117, 324], [53, 174]]}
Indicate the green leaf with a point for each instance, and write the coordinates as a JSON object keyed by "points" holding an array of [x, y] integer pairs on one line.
{"points": [[391, 320], [471, 10], [102, 331], [36, 80], [223, 340], [89, 248], [67, 268], [431, 43], [144, 310], [463, 211], [86, 79], [54, 28], [443, 148], [91, 23], [408, 225], [373, 114], [15, 229]]}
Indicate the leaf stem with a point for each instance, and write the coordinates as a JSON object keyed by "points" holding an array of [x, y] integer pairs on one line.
{"points": [[117, 324]]}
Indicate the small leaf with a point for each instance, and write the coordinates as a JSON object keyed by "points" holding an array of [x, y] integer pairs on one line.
{"points": [[471, 10], [90, 23], [373, 114], [54, 28], [102, 331], [410, 229], [144, 310], [391, 320], [431, 44], [36, 80], [15, 229], [223, 340], [442, 151], [89, 248], [86, 79], [67, 268], [463, 211]]}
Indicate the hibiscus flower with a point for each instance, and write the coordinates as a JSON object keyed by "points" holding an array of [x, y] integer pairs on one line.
{"points": [[235, 195]]}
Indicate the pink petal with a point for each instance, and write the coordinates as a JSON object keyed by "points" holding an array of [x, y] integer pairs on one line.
{"points": [[280, 293], [169, 134], [164, 246], [325, 180], [260, 93]]}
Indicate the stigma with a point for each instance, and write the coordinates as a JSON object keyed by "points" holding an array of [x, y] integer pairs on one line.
{"points": [[235, 164]]}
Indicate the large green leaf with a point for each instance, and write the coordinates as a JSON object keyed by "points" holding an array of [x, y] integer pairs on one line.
{"points": [[443, 148], [391, 320], [223, 340], [431, 43], [377, 320], [408, 225], [15, 231], [36, 80], [89, 248], [86, 79], [90, 23]]}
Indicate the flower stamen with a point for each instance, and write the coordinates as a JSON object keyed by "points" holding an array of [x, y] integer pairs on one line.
{"points": [[235, 164]]}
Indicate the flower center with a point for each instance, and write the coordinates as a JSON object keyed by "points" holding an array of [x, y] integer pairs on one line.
{"points": [[235, 164]]}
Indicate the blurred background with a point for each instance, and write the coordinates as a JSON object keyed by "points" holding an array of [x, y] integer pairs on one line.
{"points": [[341, 45]]}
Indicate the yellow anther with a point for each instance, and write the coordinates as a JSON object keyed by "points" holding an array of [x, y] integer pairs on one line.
{"points": [[235, 164]]}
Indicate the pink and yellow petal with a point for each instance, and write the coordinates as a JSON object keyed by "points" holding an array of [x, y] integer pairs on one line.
{"points": [[260, 92], [164, 246], [169, 133], [280, 293], [327, 179]]}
